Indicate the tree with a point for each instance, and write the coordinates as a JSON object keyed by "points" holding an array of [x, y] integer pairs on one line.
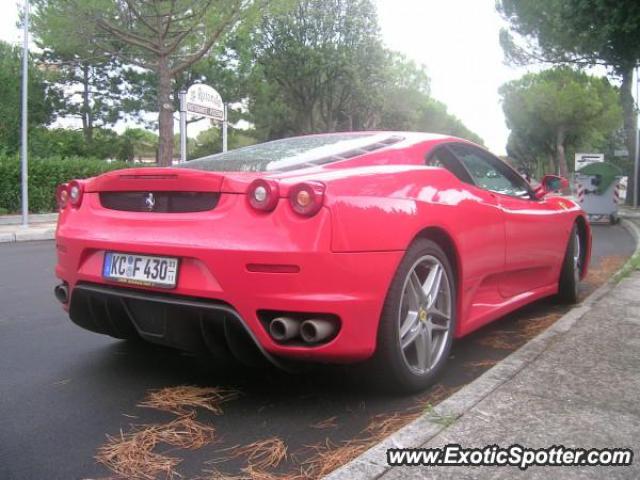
{"points": [[136, 142], [582, 32], [92, 84], [316, 67], [322, 68], [162, 37], [558, 108], [209, 142], [40, 101]]}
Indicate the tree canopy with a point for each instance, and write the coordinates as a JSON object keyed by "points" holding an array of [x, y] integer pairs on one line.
{"points": [[296, 67], [40, 100], [579, 32], [322, 67], [165, 38], [557, 109]]}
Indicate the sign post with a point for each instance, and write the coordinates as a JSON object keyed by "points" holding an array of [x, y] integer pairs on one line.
{"points": [[183, 126], [225, 123]]}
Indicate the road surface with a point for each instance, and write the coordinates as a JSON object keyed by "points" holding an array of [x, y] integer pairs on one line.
{"points": [[62, 389]]}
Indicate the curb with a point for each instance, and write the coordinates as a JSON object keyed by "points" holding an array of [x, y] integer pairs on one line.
{"points": [[34, 218], [46, 232], [372, 463]]}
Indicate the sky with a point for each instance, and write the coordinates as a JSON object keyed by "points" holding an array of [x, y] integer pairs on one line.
{"points": [[456, 40]]}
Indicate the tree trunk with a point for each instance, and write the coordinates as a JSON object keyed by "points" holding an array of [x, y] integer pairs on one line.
{"points": [[165, 115], [87, 119], [561, 159], [630, 123]]}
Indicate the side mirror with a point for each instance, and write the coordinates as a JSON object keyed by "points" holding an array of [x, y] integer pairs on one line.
{"points": [[551, 183]]}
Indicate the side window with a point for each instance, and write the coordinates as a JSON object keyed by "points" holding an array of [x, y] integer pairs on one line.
{"points": [[442, 158], [489, 173]]}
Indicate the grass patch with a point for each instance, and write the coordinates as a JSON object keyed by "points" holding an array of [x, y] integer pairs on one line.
{"points": [[631, 266]]}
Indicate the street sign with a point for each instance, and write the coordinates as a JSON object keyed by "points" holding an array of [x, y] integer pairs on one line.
{"points": [[205, 101], [621, 153], [201, 101], [583, 159]]}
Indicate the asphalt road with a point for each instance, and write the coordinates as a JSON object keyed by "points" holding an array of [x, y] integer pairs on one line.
{"points": [[62, 389]]}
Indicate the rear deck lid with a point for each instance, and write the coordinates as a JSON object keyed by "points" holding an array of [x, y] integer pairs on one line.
{"points": [[156, 179]]}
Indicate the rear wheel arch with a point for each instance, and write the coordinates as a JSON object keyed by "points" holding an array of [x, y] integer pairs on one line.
{"points": [[446, 242]]}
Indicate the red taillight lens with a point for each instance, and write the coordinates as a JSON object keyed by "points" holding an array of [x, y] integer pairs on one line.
{"points": [[307, 198], [62, 195], [75, 193], [263, 194]]}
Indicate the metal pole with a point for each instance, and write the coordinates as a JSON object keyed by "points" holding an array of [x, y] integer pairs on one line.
{"points": [[183, 126], [224, 129], [23, 149], [637, 149]]}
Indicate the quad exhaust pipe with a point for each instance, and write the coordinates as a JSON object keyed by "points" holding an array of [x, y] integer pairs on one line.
{"points": [[311, 331], [61, 292]]}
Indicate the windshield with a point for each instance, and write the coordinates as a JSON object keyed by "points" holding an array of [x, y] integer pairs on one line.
{"points": [[294, 153]]}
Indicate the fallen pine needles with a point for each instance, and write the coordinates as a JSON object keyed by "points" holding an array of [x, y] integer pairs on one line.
{"points": [[184, 399], [132, 455]]}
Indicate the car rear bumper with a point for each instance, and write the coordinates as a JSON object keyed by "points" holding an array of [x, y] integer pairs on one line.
{"points": [[350, 286]]}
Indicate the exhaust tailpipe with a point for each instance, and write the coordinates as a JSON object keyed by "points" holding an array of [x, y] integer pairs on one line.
{"points": [[284, 328], [61, 292], [315, 331]]}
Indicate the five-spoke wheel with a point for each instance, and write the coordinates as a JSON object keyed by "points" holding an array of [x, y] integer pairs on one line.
{"points": [[418, 319], [424, 314]]}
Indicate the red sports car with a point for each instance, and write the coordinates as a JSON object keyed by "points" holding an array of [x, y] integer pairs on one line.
{"points": [[337, 248]]}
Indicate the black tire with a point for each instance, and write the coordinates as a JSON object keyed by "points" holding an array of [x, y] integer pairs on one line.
{"points": [[388, 368], [570, 273]]}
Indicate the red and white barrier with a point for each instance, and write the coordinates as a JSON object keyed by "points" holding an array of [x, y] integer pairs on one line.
{"points": [[579, 192]]}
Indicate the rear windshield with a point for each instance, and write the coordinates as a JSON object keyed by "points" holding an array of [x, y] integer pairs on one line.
{"points": [[294, 153]]}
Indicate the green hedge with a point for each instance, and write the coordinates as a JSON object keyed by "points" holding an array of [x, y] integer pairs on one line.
{"points": [[45, 174]]}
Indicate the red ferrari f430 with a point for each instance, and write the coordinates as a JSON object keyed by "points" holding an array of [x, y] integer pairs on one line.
{"points": [[340, 248]]}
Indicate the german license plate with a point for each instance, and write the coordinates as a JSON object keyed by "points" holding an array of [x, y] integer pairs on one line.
{"points": [[140, 269]]}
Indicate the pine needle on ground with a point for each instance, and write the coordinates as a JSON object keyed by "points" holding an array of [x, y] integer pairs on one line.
{"points": [[262, 454], [330, 422], [184, 399], [132, 455]]}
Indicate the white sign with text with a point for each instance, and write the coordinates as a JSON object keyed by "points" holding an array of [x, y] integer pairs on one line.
{"points": [[583, 159], [205, 101]]}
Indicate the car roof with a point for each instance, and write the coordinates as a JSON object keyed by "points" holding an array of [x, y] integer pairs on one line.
{"points": [[409, 137]]}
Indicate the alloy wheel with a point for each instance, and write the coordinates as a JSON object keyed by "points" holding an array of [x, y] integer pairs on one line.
{"points": [[424, 317]]}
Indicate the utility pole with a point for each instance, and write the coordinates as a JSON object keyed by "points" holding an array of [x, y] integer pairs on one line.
{"points": [[636, 161], [23, 146]]}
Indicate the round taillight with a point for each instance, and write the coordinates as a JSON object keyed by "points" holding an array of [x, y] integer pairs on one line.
{"points": [[263, 194], [62, 195], [75, 193], [307, 198]]}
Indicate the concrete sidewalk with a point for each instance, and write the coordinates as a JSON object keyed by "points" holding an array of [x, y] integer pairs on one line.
{"points": [[42, 226], [577, 385]]}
